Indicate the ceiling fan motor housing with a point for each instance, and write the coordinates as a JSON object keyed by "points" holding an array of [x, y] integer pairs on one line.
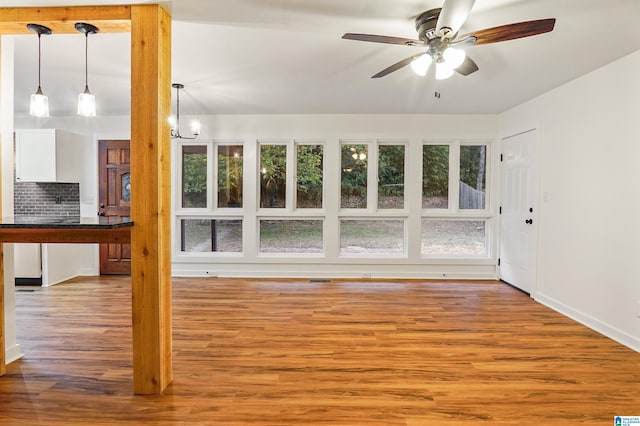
{"points": [[426, 24]]}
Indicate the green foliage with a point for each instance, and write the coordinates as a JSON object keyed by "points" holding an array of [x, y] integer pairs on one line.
{"points": [[194, 179], [230, 176], [472, 165], [391, 170], [273, 175], [435, 170], [354, 170], [309, 176]]}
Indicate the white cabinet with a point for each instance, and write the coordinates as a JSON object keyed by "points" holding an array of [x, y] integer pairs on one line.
{"points": [[46, 155]]}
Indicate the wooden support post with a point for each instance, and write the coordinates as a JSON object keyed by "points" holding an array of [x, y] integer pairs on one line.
{"points": [[151, 198]]}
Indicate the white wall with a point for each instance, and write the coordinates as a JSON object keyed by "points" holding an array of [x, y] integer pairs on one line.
{"points": [[589, 245]]}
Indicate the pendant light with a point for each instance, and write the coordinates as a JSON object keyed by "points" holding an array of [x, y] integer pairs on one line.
{"points": [[175, 121], [86, 101], [39, 105]]}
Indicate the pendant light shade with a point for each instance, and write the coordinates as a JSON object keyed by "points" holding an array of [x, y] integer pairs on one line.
{"points": [[39, 104], [86, 101]]}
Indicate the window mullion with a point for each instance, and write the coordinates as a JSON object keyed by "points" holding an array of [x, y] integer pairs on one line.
{"points": [[454, 177]]}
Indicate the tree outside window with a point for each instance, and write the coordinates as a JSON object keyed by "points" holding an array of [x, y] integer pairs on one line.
{"points": [[273, 176]]}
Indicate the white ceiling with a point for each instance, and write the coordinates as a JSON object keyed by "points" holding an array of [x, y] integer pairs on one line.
{"points": [[287, 56]]}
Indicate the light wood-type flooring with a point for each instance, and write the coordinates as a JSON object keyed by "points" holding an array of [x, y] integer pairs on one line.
{"points": [[285, 352]]}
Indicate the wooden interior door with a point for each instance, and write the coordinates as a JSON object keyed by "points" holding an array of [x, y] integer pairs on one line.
{"points": [[115, 200]]}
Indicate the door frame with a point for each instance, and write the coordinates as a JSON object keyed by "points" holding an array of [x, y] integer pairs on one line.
{"points": [[535, 215]]}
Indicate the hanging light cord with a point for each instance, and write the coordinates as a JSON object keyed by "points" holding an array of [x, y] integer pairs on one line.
{"points": [[39, 91], [86, 62]]}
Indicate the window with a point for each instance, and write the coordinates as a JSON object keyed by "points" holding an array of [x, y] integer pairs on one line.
{"points": [[371, 236], [391, 176], [473, 164], [335, 202], [454, 237], [207, 235], [230, 160], [273, 176], [435, 176], [194, 176], [309, 176], [353, 186], [291, 236]]}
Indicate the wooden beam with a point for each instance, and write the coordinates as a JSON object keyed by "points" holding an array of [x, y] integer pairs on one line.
{"points": [[151, 201], [61, 20]]}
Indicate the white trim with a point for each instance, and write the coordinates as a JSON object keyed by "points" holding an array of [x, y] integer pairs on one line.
{"points": [[13, 353], [272, 270], [590, 321]]}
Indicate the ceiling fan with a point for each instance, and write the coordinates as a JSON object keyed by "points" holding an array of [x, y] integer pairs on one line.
{"points": [[438, 32]]}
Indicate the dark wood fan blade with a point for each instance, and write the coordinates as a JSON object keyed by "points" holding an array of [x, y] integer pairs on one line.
{"points": [[512, 31], [468, 66], [396, 66], [383, 39]]}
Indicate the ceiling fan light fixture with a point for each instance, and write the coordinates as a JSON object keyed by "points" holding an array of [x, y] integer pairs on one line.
{"points": [[454, 57], [443, 71], [420, 65]]}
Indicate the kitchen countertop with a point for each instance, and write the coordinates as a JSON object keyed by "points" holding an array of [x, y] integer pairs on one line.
{"points": [[65, 222], [65, 229]]}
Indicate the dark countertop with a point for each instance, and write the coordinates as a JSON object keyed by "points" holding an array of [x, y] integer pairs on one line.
{"points": [[65, 222]]}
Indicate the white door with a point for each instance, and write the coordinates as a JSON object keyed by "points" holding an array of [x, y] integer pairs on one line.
{"points": [[519, 210]]}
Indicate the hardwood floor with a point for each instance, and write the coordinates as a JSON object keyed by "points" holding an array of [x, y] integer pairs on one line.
{"points": [[296, 352]]}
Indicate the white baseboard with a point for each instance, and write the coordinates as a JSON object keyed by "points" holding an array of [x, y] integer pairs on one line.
{"points": [[331, 274], [13, 354], [593, 323]]}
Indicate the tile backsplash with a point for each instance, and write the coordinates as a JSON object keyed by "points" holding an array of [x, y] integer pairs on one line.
{"points": [[46, 199]]}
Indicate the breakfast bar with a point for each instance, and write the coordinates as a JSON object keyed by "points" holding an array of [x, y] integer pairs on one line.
{"points": [[66, 229]]}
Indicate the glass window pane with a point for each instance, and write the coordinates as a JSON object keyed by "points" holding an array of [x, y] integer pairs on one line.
{"points": [[354, 177], [230, 175], [125, 188], [435, 176], [391, 176], [454, 237], [207, 235], [291, 236], [273, 176], [473, 161], [194, 176], [372, 236], [310, 161]]}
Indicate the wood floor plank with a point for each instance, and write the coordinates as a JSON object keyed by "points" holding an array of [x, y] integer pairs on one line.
{"points": [[286, 352]]}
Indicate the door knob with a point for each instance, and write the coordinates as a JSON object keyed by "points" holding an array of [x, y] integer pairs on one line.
{"points": [[528, 221], [100, 213], [102, 205]]}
